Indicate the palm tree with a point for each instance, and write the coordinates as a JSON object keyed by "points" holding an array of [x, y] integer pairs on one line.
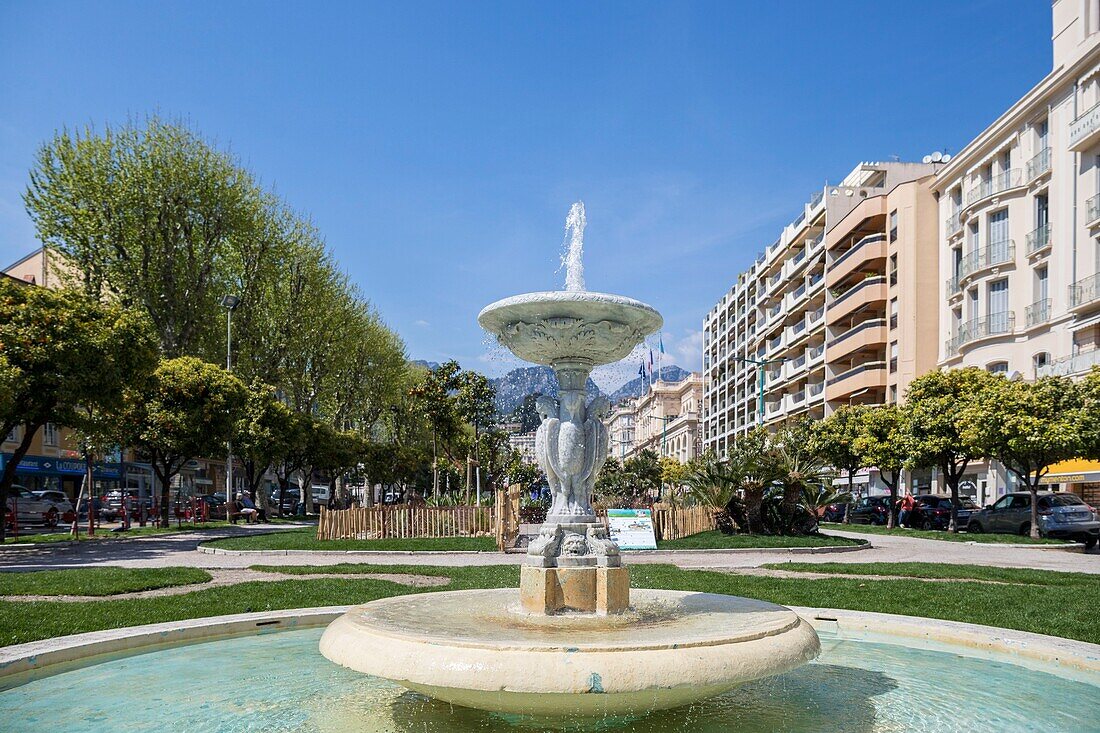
{"points": [[817, 497], [710, 483], [797, 465], [751, 462]]}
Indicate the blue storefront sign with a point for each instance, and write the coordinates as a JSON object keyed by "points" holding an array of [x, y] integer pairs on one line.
{"points": [[51, 466]]}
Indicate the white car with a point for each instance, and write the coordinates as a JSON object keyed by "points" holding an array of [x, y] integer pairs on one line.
{"points": [[34, 509]]}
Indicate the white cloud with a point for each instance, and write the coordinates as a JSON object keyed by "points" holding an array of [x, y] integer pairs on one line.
{"points": [[689, 351], [422, 323]]}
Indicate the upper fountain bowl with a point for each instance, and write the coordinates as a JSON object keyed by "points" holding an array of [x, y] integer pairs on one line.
{"points": [[570, 325]]}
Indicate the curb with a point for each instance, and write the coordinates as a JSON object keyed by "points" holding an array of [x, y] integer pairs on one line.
{"points": [[1072, 659]]}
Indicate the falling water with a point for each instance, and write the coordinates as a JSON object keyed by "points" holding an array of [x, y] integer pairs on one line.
{"points": [[574, 242]]}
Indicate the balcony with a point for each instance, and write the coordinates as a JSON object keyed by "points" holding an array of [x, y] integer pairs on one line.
{"points": [[815, 353], [868, 333], [998, 253], [815, 315], [814, 389], [1037, 313], [1070, 366], [952, 225], [774, 311], [995, 185], [1038, 240], [1085, 130], [870, 291], [1084, 294], [857, 379], [952, 286], [995, 324], [797, 295], [775, 344], [1038, 165], [1092, 209], [869, 249]]}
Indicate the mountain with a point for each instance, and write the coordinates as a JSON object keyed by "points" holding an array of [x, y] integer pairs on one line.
{"points": [[426, 364], [518, 383], [637, 386]]}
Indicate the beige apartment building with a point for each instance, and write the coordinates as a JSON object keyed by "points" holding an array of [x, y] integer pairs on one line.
{"points": [[1019, 238], [841, 309], [664, 420]]}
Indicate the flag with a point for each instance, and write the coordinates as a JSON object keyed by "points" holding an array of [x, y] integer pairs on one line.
{"points": [[661, 342], [651, 364], [641, 370]]}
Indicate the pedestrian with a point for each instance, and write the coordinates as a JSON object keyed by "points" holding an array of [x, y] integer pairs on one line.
{"points": [[907, 504], [247, 509]]}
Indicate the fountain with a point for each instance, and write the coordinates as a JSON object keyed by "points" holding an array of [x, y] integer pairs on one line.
{"points": [[575, 640]]}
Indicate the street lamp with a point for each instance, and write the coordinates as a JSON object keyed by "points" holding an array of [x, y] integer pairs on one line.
{"points": [[760, 364], [230, 303]]}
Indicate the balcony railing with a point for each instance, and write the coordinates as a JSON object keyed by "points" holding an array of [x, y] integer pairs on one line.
{"points": [[868, 240], [1038, 312], [868, 366], [953, 286], [798, 397], [873, 323], [815, 279], [815, 389], [798, 257], [1070, 365], [774, 310], [866, 283], [995, 185], [1086, 123], [1038, 240], [1092, 208], [1038, 165], [1084, 291], [815, 315], [798, 327], [998, 253], [815, 352], [994, 324], [953, 224]]}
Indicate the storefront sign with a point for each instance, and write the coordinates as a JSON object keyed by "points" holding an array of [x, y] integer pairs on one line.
{"points": [[50, 466], [631, 529]]}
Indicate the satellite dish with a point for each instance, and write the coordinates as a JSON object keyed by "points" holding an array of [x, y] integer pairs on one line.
{"points": [[937, 157], [926, 159], [946, 158]]}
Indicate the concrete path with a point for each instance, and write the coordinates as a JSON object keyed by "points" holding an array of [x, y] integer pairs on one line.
{"points": [[180, 550]]}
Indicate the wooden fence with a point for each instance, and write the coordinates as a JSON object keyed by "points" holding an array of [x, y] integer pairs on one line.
{"points": [[405, 520], [674, 522]]}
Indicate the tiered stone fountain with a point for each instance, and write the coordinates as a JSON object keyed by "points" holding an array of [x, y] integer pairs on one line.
{"points": [[575, 641]]}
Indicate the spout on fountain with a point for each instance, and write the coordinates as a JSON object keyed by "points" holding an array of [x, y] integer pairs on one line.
{"points": [[574, 248]]}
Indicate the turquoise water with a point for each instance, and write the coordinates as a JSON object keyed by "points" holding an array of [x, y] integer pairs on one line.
{"points": [[279, 682]]}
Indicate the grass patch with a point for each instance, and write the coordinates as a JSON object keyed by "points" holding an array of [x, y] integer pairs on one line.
{"points": [[1064, 605], [933, 534], [715, 540], [306, 539], [103, 581], [1018, 576], [347, 568]]}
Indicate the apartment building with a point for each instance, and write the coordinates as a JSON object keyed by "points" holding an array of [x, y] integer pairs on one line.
{"points": [[664, 420], [840, 309], [1019, 238]]}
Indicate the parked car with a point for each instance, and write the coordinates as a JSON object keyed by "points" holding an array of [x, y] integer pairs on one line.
{"points": [[1061, 515], [103, 512], [112, 501], [871, 510], [289, 500], [933, 511], [30, 508]]}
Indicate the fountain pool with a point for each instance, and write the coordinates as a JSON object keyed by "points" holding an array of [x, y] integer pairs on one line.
{"points": [[277, 682]]}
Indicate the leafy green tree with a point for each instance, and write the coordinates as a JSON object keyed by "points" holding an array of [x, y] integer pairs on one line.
{"points": [[752, 466], [710, 483], [837, 438], [432, 398], [261, 437], [1090, 414], [612, 482], [673, 475], [644, 474], [882, 444], [66, 359], [798, 466], [936, 414], [476, 402], [525, 414], [148, 215], [187, 409], [1027, 426]]}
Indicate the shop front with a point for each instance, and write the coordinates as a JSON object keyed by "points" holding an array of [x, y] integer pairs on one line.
{"points": [[1079, 476], [41, 473]]}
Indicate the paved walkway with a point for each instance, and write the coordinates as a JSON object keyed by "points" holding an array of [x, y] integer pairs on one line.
{"points": [[180, 550]]}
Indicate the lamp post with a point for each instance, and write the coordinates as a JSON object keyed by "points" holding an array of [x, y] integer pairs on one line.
{"points": [[230, 303], [760, 364]]}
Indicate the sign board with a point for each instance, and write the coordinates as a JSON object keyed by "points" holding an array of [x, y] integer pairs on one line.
{"points": [[631, 529]]}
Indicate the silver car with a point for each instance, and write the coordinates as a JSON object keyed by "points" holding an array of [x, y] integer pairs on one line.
{"points": [[32, 508], [1061, 516]]}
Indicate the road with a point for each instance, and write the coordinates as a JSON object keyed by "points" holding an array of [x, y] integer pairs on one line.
{"points": [[181, 550]]}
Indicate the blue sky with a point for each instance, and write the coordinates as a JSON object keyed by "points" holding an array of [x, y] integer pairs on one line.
{"points": [[438, 146]]}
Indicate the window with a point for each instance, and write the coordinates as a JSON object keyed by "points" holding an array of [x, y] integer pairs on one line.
{"points": [[893, 313], [998, 234], [1006, 161], [998, 298], [972, 297], [1040, 360], [998, 367], [893, 269], [973, 236], [1042, 135], [1042, 284], [894, 225], [49, 435], [894, 357], [893, 393], [15, 435], [1042, 211]]}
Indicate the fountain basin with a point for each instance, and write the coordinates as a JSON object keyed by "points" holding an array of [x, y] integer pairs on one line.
{"points": [[545, 327], [478, 649]]}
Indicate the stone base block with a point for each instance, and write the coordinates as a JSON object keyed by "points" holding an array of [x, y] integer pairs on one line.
{"points": [[600, 590]]}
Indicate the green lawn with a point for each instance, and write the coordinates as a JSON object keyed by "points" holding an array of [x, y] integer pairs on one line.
{"points": [[932, 534], [107, 534], [714, 539], [104, 581], [1064, 608], [1019, 576], [306, 539]]}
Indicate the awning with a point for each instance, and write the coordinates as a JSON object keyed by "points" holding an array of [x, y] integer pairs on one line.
{"points": [[1071, 472]]}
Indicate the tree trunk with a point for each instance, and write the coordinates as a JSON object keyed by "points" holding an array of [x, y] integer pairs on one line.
{"points": [[723, 522], [953, 484], [305, 490], [791, 494], [163, 470], [754, 506], [1034, 490], [892, 518], [851, 494]]}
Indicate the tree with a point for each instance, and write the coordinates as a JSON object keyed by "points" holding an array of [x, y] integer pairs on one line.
{"points": [[1027, 426], [837, 437], [935, 413], [261, 437], [188, 408], [644, 473], [1090, 414], [882, 444], [148, 215], [753, 470], [712, 484], [476, 401], [65, 359], [673, 475], [798, 467]]}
